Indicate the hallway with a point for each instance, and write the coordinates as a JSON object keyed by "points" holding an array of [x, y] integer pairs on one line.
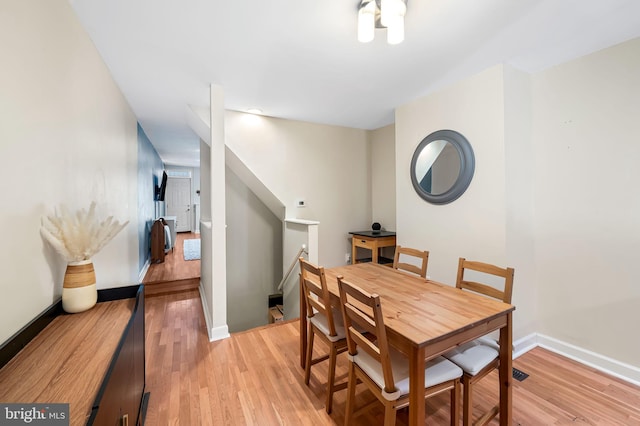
{"points": [[175, 273]]}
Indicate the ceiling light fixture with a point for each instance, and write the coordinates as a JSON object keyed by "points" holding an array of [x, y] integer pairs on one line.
{"points": [[254, 111], [387, 14]]}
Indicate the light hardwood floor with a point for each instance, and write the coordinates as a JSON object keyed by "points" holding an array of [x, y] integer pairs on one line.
{"points": [[254, 378], [175, 273]]}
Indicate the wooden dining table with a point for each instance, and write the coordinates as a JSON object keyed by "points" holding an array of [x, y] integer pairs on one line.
{"points": [[425, 319]]}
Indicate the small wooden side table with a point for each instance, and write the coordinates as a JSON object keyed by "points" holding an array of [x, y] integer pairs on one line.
{"points": [[374, 241]]}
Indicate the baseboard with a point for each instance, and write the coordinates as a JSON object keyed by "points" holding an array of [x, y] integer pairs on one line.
{"points": [[144, 270], [215, 333], [219, 333], [626, 372], [524, 345], [205, 310], [615, 368], [117, 293]]}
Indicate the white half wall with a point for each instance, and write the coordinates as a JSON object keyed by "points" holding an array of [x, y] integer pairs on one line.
{"points": [[297, 233], [217, 203]]}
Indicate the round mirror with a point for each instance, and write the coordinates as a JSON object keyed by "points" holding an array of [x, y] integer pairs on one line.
{"points": [[442, 167]]}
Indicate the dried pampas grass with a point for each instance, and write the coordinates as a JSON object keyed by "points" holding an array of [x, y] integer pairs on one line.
{"points": [[79, 236]]}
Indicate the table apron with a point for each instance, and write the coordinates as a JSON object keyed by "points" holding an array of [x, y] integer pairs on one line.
{"points": [[443, 345]]}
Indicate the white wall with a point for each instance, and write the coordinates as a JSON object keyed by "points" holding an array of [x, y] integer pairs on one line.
{"points": [[587, 209], [67, 135], [327, 166]]}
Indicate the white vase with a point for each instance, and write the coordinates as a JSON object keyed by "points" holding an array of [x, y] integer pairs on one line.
{"points": [[79, 292]]}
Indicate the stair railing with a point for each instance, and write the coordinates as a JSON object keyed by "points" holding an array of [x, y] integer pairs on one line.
{"points": [[303, 249]]}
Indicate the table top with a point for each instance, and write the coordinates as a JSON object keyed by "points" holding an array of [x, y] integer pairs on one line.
{"points": [[374, 234], [422, 312]]}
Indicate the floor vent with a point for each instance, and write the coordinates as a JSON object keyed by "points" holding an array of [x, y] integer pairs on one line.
{"points": [[519, 375]]}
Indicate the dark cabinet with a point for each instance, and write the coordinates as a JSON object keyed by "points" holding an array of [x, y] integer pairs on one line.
{"points": [[92, 360], [121, 399]]}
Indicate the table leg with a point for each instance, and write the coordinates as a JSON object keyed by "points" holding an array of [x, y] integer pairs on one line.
{"points": [[354, 251], [374, 253], [303, 326], [506, 378], [416, 387]]}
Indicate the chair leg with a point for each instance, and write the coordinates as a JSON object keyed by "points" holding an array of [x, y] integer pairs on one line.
{"points": [[351, 394], [389, 414], [307, 367], [467, 404], [455, 403], [332, 377]]}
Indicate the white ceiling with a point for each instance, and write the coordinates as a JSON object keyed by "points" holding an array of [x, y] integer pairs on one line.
{"points": [[300, 60]]}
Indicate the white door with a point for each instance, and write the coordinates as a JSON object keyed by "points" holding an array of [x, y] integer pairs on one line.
{"points": [[178, 202]]}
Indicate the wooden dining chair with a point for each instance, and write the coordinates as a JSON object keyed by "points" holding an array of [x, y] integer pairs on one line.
{"points": [[324, 322], [420, 255], [381, 367], [481, 356]]}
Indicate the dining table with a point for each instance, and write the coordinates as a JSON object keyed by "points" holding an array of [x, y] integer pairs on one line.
{"points": [[425, 319]]}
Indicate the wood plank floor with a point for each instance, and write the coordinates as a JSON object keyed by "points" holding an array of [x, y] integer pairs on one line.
{"points": [[254, 378], [175, 273]]}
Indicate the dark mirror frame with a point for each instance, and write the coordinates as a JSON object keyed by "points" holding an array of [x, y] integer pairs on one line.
{"points": [[467, 166]]}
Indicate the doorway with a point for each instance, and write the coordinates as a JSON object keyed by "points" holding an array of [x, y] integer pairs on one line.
{"points": [[178, 202]]}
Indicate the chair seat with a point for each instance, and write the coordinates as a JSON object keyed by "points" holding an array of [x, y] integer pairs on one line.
{"points": [[438, 370], [320, 321], [473, 356]]}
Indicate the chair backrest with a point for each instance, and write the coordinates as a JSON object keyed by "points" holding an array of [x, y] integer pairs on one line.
{"points": [[505, 273], [362, 313], [314, 285], [419, 254]]}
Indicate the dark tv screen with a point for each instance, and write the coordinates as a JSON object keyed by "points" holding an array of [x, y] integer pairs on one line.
{"points": [[160, 190]]}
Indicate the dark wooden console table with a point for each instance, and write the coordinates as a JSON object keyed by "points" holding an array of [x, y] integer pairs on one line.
{"points": [[374, 241], [94, 361]]}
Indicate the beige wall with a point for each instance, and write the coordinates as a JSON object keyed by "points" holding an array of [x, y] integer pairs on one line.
{"points": [[519, 175], [383, 176], [67, 135], [327, 166], [489, 222], [254, 256], [587, 207], [474, 225], [552, 196]]}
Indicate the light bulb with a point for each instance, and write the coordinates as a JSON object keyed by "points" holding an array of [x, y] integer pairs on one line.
{"points": [[386, 10], [366, 22], [395, 30]]}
